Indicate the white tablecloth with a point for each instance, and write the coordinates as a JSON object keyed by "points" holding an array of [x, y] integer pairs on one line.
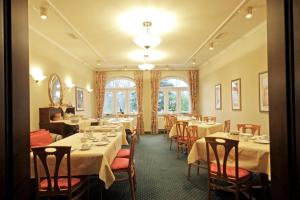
{"points": [[204, 129], [94, 161], [252, 156], [128, 123]]}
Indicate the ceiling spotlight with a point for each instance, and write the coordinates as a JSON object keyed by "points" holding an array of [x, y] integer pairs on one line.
{"points": [[249, 13], [125, 68], [211, 46], [98, 62], [44, 13], [194, 62]]}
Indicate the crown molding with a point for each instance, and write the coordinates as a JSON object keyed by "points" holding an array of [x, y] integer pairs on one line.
{"points": [[68, 23], [227, 20], [48, 39]]}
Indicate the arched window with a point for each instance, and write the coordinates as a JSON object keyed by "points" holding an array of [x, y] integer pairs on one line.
{"points": [[120, 97], [174, 96]]}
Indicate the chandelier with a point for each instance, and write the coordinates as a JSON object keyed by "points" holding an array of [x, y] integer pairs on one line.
{"points": [[146, 39], [146, 65]]}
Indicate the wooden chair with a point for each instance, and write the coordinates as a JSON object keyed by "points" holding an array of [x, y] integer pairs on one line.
{"points": [[209, 119], [226, 126], [172, 122], [53, 185], [239, 179], [166, 126], [125, 153], [182, 138], [255, 129], [192, 138], [126, 165], [198, 117]]}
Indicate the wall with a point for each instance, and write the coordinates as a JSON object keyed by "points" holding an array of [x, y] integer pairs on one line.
{"points": [[147, 90], [244, 59], [52, 59]]}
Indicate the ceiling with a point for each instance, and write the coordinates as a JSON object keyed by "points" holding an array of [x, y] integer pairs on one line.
{"points": [[91, 31]]}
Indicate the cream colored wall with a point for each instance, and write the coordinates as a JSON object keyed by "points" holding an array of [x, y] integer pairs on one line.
{"points": [[147, 89], [243, 59], [51, 59]]}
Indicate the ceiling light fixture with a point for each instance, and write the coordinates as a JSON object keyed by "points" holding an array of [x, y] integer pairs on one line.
{"points": [[211, 46], [146, 39], [146, 65], [98, 62], [249, 13], [44, 13]]}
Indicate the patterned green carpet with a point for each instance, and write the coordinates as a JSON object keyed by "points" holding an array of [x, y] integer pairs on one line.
{"points": [[160, 176]]}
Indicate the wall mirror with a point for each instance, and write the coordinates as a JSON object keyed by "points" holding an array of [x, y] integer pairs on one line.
{"points": [[55, 90]]}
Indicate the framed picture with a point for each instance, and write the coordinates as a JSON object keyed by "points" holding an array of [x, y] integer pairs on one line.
{"points": [[236, 94], [79, 92], [263, 92], [218, 97]]}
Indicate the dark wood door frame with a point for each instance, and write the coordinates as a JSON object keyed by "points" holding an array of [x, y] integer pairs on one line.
{"points": [[14, 100], [284, 90]]}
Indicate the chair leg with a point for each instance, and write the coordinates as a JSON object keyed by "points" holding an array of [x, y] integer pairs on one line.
{"points": [[209, 191], [131, 182], [198, 167], [177, 153], [189, 171], [171, 140], [134, 178], [237, 192]]}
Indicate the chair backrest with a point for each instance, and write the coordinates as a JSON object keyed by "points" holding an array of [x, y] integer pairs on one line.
{"points": [[215, 143], [181, 129], [198, 117], [227, 126], [255, 129], [166, 120], [172, 121], [132, 148], [192, 134], [209, 118], [59, 152]]}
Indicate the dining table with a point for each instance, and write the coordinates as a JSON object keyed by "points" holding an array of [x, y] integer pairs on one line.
{"points": [[128, 123], [204, 128], [95, 160], [108, 128], [253, 154]]}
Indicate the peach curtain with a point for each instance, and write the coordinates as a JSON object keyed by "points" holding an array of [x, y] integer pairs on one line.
{"points": [[194, 87], [155, 82], [100, 79], [138, 78]]}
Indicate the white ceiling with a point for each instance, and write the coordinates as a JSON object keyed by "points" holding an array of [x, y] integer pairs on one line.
{"points": [[95, 24]]}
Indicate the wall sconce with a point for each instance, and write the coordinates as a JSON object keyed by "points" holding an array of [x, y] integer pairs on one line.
{"points": [[37, 75], [69, 83], [89, 89]]}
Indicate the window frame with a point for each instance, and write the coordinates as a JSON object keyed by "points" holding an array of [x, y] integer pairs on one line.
{"points": [[178, 90], [114, 92]]}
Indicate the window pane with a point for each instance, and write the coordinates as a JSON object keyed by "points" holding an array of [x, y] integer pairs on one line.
{"points": [[172, 104], [120, 83], [185, 101], [108, 103], [120, 98], [172, 82], [132, 102], [161, 105]]}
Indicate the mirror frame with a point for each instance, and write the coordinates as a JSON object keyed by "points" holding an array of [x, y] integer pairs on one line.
{"points": [[50, 90]]}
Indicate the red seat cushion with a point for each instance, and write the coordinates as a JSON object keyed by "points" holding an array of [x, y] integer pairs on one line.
{"points": [[62, 183], [124, 153], [230, 171], [120, 163], [40, 138]]}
